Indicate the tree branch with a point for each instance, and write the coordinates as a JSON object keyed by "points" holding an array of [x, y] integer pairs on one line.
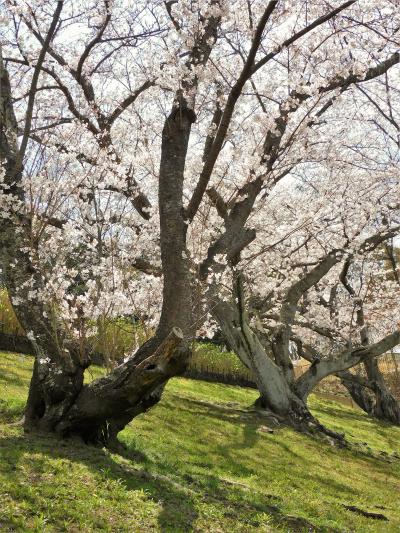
{"points": [[35, 79], [301, 33], [225, 120], [343, 361]]}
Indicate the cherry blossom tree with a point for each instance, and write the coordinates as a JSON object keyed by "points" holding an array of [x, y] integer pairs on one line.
{"points": [[284, 292], [379, 282], [157, 139]]}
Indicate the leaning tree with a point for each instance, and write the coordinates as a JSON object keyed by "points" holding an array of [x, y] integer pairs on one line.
{"points": [[291, 299], [316, 238], [142, 138]]}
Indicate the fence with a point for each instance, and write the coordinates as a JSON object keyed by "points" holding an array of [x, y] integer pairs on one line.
{"points": [[214, 369]]}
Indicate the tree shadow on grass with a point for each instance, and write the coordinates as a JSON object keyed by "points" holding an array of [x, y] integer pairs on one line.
{"points": [[178, 501], [178, 511], [250, 422], [246, 420], [351, 417]]}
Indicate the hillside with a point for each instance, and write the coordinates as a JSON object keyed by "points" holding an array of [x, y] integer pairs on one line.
{"points": [[199, 461]]}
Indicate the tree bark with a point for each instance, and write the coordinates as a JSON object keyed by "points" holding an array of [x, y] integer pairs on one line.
{"points": [[106, 405], [386, 406], [277, 394], [372, 395], [361, 393], [377, 401]]}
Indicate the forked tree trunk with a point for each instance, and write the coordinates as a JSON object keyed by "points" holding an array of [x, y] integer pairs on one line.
{"points": [[58, 400], [277, 395], [377, 401], [360, 393], [386, 406]]}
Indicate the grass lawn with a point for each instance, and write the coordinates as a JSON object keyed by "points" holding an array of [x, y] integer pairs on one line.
{"points": [[197, 462]]}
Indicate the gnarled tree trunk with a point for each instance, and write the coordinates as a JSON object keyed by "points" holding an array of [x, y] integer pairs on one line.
{"points": [[372, 394], [280, 392], [375, 399], [278, 395], [386, 406]]}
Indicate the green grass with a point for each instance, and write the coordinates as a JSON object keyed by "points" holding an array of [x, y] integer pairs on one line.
{"points": [[196, 462]]}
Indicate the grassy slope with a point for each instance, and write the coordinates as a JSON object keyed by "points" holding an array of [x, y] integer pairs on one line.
{"points": [[197, 463]]}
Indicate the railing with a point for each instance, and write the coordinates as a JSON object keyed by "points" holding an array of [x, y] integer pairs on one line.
{"points": [[389, 365]]}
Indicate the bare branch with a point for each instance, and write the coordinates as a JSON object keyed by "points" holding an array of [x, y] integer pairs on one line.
{"points": [[300, 34], [127, 102], [35, 79], [93, 42]]}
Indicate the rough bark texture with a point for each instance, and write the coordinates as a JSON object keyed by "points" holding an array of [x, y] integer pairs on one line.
{"points": [[360, 392], [106, 405], [385, 406], [372, 394], [277, 394]]}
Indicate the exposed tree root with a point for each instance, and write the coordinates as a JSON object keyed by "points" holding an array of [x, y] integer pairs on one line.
{"points": [[303, 421]]}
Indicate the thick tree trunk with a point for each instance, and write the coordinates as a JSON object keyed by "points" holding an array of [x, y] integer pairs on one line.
{"points": [[360, 392], [378, 401], [52, 391], [385, 407], [106, 405], [177, 308], [98, 411]]}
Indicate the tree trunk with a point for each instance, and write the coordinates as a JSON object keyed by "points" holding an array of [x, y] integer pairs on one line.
{"points": [[98, 411], [378, 401], [386, 407], [277, 394], [372, 395], [106, 405], [177, 307], [360, 392]]}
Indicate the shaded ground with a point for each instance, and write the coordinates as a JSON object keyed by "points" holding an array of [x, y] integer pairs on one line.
{"points": [[198, 462]]}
